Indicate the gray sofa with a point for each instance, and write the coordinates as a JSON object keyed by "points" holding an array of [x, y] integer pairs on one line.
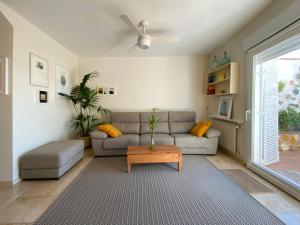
{"points": [[173, 128]]}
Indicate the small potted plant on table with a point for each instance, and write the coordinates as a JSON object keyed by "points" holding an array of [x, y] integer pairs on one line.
{"points": [[152, 120]]}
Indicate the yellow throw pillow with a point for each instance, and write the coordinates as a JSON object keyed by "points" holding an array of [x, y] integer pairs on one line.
{"points": [[200, 128], [110, 130]]}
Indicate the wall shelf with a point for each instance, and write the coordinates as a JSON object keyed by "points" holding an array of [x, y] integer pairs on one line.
{"points": [[225, 80], [235, 121], [218, 82]]}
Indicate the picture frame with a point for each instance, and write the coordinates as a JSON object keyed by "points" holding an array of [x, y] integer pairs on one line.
{"points": [[39, 71], [107, 90], [225, 106], [4, 76], [62, 79], [42, 97]]}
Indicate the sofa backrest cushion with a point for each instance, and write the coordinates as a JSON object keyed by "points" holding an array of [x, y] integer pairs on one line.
{"points": [[126, 122], [181, 122], [162, 126]]}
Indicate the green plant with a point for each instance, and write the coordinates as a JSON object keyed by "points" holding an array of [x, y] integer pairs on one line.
{"points": [[86, 104], [152, 120], [281, 85], [289, 120]]}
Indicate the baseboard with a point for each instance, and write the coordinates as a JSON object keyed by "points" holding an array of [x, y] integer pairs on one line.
{"points": [[9, 183], [231, 154]]}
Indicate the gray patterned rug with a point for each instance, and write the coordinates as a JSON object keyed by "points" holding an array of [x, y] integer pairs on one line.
{"points": [[155, 194]]}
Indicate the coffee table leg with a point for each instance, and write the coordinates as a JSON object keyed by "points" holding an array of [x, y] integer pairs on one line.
{"points": [[128, 166], [179, 164]]}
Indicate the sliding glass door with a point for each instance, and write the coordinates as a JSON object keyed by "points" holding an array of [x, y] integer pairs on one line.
{"points": [[273, 114]]}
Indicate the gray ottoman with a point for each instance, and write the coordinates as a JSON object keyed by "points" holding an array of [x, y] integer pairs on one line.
{"points": [[51, 160]]}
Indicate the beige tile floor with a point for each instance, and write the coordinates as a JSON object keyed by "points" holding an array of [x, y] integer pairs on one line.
{"points": [[27, 200]]}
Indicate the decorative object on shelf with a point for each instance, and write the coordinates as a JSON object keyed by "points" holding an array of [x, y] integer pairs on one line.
{"points": [[214, 63], [42, 96], [225, 105], [62, 79], [39, 71], [211, 90], [211, 78], [107, 91], [221, 75], [4, 76], [152, 120], [225, 59], [86, 105]]}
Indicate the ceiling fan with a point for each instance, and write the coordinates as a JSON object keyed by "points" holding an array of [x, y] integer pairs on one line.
{"points": [[144, 40]]}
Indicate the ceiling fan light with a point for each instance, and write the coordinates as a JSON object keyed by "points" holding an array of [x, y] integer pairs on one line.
{"points": [[144, 42]]}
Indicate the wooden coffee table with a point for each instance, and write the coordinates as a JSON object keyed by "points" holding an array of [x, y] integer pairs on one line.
{"points": [[161, 154]]}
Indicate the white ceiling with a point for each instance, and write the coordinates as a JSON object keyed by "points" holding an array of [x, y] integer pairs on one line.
{"points": [[93, 27]]}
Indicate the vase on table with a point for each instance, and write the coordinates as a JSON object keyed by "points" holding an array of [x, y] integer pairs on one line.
{"points": [[152, 143]]}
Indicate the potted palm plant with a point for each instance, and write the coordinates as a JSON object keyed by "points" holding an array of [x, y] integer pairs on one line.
{"points": [[86, 105]]}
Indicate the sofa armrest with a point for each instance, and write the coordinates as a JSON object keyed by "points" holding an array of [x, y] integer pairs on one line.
{"points": [[97, 134], [211, 133]]}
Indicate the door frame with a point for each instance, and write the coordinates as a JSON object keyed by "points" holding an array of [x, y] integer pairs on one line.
{"points": [[291, 31]]}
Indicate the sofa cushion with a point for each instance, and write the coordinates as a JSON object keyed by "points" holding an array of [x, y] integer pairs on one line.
{"points": [[97, 134], [182, 116], [181, 127], [162, 116], [160, 139], [161, 128], [111, 130], [121, 142], [125, 117], [127, 128], [200, 128], [52, 155], [190, 141], [211, 133]]}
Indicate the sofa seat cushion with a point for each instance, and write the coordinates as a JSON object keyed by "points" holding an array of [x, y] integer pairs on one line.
{"points": [[159, 139], [121, 142], [190, 141], [52, 155]]}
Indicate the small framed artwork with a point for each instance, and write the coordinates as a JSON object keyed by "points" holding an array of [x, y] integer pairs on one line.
{"points": [[42, 97], [107, 91], [3, 76], [39, 71], [62, 79], [225, 105]]}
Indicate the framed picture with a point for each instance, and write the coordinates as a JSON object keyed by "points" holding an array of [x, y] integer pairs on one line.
{"points": [[225, 105], [39, 71], [62, 79], [107, 91], [3, 76], [42, 97]]}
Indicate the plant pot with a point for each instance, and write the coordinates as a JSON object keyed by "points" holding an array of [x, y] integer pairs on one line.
{"points": [[86, 140]]}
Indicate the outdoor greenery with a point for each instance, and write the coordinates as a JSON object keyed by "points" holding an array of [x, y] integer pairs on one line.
{"points": [[152, 120], [86, 105], [281, 85], [289, 120]]}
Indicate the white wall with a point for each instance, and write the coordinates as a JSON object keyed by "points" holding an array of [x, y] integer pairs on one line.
{"points": [[265, 24], [6, 50], [33, 124], [169, 83]]}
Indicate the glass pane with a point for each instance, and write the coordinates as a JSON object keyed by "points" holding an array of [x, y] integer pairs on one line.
{"points": [[277, 113]]}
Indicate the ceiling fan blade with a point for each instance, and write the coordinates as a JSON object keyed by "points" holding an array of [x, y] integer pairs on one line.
{"points": [[166, 39], [130, 24], [132, 48]]}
